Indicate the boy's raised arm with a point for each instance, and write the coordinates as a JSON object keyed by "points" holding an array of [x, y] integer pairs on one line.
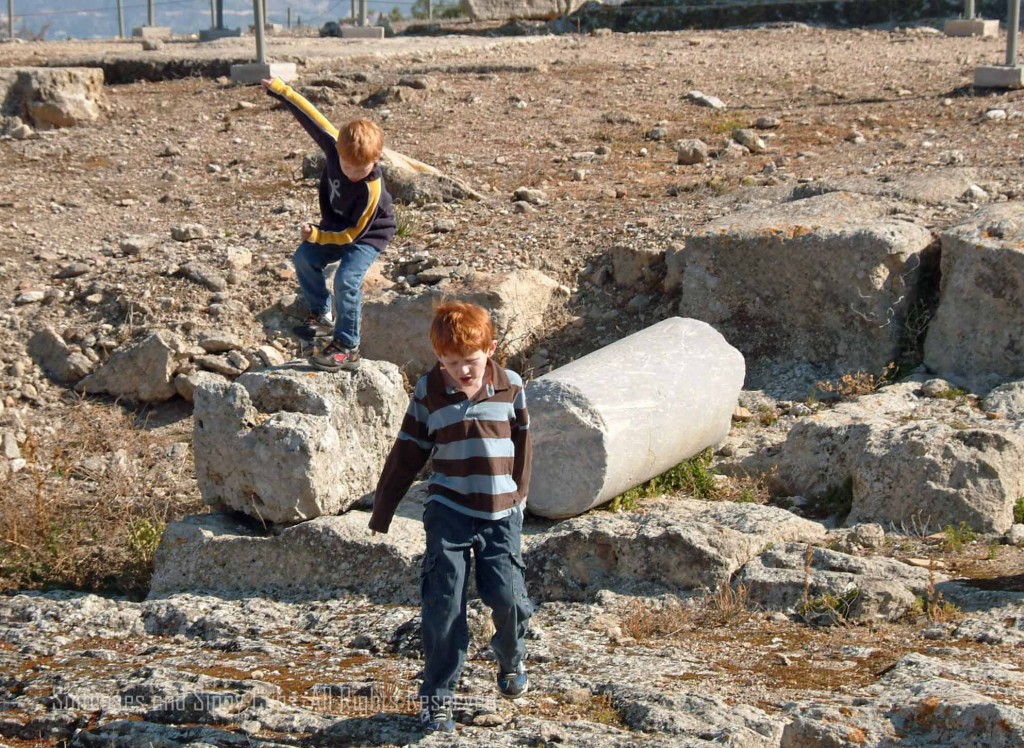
{"points": [[316, 124]]}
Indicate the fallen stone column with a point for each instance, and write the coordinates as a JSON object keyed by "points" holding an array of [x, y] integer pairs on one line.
{"points": [[628, 412]]}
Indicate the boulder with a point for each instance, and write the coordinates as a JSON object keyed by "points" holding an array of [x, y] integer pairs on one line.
{"points": [[1007, 400], [142, 372], [414, 182], [932, 187], [827, 281], [49, 98], [893, 463], [214, 553], [289, 444], [628, 412], [673, 546], [976, 338], [836, 586], [396, 327], [636, 266], [51, 353]]}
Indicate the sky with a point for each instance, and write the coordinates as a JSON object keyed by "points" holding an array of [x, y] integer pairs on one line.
{"points": [[87, 19]]}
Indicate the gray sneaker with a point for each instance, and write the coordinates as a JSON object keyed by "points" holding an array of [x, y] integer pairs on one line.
{"points": [[336, 357], [316, 326]]}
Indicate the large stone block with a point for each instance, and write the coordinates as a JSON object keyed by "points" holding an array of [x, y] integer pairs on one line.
{"points": [[289, 444], [977, 336], [212, 552], [675, 546], [827, 281], [396, 327], [49, 98], [628, 412], [898, 470]]}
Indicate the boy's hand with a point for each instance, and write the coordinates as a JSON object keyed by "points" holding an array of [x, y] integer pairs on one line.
{"points": [[307, 231], [265, 83]]}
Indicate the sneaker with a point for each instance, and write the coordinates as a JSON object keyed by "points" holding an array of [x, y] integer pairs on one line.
{"points": [[437, 718], [336, 357], [515, 684], [316, 326]]}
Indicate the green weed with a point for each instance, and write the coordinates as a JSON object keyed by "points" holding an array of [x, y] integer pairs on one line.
{"points": [[955, 538], [1018, 511], [693, 477]]}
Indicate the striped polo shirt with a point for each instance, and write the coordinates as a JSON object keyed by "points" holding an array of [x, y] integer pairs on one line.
{"points": [[480, 447]]}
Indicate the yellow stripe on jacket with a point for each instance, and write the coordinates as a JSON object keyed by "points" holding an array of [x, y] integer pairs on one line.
{"points": [[318, 236]]}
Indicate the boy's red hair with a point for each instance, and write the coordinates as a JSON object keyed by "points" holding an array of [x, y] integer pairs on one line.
{"points": [[461, 328], [360, 141]]}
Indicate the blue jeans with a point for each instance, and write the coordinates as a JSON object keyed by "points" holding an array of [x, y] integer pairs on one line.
{"points": [[496, 544], [354, 260]]}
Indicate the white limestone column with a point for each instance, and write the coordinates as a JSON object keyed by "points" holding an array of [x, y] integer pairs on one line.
{"points": [[628, 412]]}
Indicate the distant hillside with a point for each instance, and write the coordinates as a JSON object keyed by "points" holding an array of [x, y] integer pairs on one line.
{"points": [[87, 19]]}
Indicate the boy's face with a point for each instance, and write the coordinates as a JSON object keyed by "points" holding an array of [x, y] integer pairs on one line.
{"points": [[355, 171], [468, 368]]}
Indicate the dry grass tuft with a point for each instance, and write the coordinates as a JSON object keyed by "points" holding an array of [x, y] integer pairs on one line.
{"points": [[88, 509]]}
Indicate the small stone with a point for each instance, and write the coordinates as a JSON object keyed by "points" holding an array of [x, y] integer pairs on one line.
{"points": [[995, 114], [29, 297], [187, 232], [768, 123]]}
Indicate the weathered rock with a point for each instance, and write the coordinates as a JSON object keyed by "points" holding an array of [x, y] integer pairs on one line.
{"points": [[976, 337], [502, 10], [185, 384], [142, 372], [187, 232], [681, 545], [52, 97], [930, 705], [211, 552], [595, 435], [935, 186], [413, 182], [395, 327], [835, 586], [1007, 400], [749, 139], [691, 151], [890, 467], [635, 266], [285, 445], [53, 356], [826, 281]]}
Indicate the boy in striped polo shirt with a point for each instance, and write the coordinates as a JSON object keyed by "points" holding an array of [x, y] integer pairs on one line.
{"points": [[469, 415]]}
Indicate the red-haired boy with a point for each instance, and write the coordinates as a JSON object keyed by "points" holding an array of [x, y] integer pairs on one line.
{"points": [[356, 224], [469, 415]]}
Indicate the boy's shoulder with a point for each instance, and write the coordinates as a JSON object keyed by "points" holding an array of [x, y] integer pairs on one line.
{"points": [[514, 378]]}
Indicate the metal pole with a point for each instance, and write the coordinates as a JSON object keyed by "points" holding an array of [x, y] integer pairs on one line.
{"points": [[213, 14], [1012, 30], [969, 10], [10, 18], [261, 55], [362, 12], [289, 16], [353, 14], [220, 14], [266, 18], [152, 18], [120, 20], [430, 10]]}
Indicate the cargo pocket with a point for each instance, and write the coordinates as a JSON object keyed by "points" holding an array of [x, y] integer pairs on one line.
{"points": [[427, 572], [519, 586]]}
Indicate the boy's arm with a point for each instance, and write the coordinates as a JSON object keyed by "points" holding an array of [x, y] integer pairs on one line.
{"points": [[523, 461], [409, 454], [317, 125]]}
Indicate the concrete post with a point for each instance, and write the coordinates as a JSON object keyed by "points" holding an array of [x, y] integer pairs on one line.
{"points": [[10, 18], [362, 12], [220, 14], [289, 17], [152, 15], [628, 412], [120, 19], [1012, 31], [969, 9], [353, 14], [430, 10], [261, 54]]}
